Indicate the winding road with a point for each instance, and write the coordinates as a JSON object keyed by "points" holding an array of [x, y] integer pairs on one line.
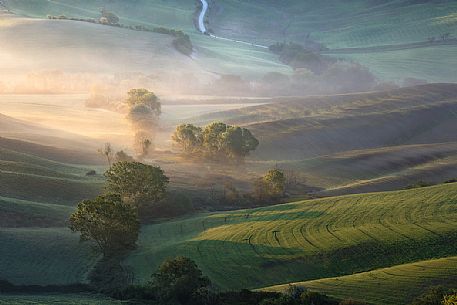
{"points": [[202, 28]]}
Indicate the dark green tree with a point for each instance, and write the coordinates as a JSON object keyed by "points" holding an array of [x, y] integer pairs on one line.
{"points": [[136, 183], [216, 141], [179, 279], [189, 138], [238, 142], [112, 224]]}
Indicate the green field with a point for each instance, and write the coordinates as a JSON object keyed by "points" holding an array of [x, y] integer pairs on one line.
{"points": [[351, 23], [354, 23], [435, 64], [28, 177], [44, 256], [390, 286], [211, 56], [307, 240]]}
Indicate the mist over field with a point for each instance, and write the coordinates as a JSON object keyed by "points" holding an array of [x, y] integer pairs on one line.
{"points": [[228, 152]]}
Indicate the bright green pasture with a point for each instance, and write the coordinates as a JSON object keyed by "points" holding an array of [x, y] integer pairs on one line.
{"points": [[307, 240], [396, 285]]}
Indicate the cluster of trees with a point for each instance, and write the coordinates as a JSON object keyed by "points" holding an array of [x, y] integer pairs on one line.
{"points": [[182, 42], [111, 220], [296, 56], [215, 141], [179, 281]]}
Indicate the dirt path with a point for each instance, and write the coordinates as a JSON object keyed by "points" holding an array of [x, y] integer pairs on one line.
{"points": [[202, 28]]}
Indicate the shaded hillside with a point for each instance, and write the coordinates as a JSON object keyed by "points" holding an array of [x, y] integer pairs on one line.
{"points": [[369, 170]]}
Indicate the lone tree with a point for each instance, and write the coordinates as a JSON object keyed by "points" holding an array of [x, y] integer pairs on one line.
{"points": [[179, 279], [143, 97], [275, 181], [136, 183], [113, 225], [144, 111]]}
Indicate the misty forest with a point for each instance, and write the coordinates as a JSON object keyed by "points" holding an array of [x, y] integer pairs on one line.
{"points": [[228, 152]]}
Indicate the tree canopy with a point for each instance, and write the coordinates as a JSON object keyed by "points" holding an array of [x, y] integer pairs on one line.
{"points": [[179, 279], [136, 183], [109, 222], [143, 97], [216, 140]]}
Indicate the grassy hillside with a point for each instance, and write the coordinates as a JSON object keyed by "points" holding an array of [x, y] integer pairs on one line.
{"points": [[113, 55], [308, 240], [368, 170], [346, 24], [353, 143], [334, 106], [44, 256], [354, 23], [435, 64], [396, 285], [28, 177], [19, 213]]}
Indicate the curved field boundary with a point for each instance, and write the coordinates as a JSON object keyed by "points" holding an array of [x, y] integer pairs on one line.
{"points": [[390, 286]]}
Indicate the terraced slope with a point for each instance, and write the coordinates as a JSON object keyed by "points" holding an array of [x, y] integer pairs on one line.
{"points": [[308, 240], [396, 285]]}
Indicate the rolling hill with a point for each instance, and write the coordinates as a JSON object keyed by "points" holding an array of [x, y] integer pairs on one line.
{"points": [[36, 197], [115, 50], [307, 240], [353, 143], [354, 23], [347, 24], [388, 286], [351, 24]]}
